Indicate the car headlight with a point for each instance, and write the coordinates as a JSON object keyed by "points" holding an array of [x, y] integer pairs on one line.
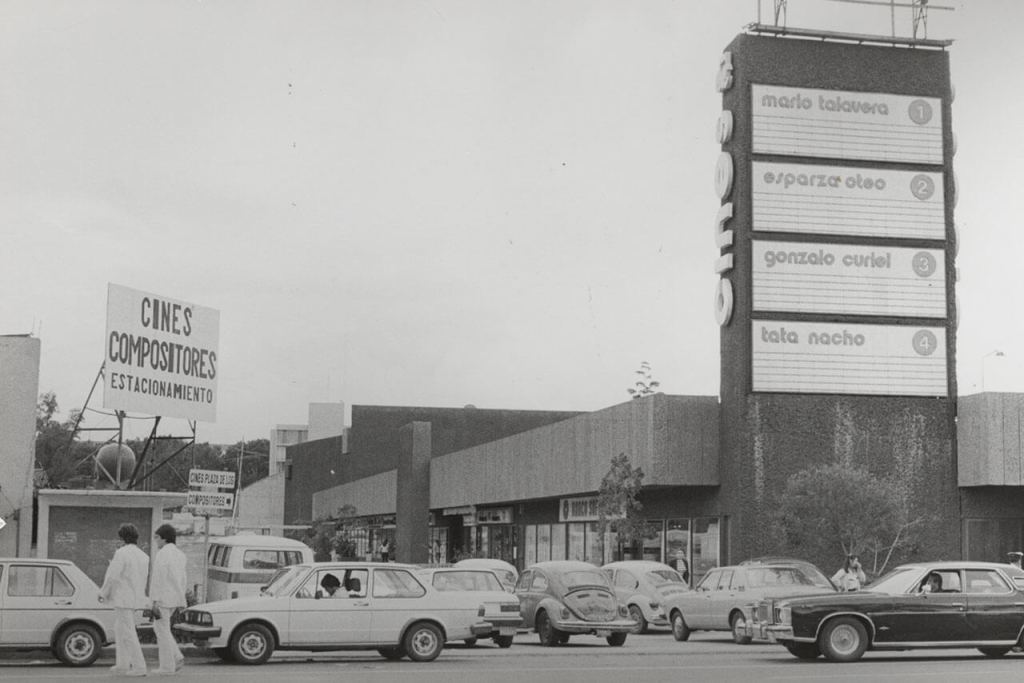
{"points": [[199, 618], [623, 611], [563, 612], [786, 615], [482, 610]]}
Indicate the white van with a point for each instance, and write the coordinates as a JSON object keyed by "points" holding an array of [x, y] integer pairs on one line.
{"points": [[237, 566]]}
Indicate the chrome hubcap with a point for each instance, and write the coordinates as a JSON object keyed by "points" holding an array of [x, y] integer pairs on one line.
{"points": [[844, 639]]}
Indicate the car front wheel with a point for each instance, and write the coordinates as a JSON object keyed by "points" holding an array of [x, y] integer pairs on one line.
{"points": [[392, 653], [503, 641], [224, 653], [616, 639], [637, 615], [680, 631], [993, 651], [78, 645], [804, 650], [738, 624], [252, 644], [423, 642], [843, 639]]}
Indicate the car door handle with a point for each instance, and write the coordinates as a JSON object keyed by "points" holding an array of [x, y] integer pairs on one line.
{"points": [[361, 604], [958, 605], [62, 602]]}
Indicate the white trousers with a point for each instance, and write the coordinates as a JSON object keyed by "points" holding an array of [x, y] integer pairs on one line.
{"points": [[127, 649], [167, 647]]}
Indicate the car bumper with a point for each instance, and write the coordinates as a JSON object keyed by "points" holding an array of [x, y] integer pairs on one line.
{"points": [[482, 629], [600, 627], [777, 634], [197, 633]]}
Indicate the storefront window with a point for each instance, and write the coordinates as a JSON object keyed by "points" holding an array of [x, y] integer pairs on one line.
{"points": [[530, 546], [438, 545], [577, 541], [706, 546], [677, 544], [558, 542], [543, 542]]}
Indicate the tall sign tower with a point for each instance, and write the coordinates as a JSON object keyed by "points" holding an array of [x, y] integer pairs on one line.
{"points": [[836, 259]]}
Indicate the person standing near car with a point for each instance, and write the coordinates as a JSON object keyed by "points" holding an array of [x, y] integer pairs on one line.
{"points": [[385, 550], [1015, 558], [167, 592], [850, 576], [124, 587]]}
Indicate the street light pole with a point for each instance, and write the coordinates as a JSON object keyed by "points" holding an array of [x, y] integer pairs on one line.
{"points": [[994, 352]]}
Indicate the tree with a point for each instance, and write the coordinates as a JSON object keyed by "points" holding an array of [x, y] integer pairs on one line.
{"points": [[839, 510], [645, 386], [618, 509], [335, 533], [59, 457]]}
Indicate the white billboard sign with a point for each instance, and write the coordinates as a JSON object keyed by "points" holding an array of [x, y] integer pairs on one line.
{"points": [[210, 500], [211, 478], [805, 277], [841, 124], [160, 355], [841, 200], [839, 358]]}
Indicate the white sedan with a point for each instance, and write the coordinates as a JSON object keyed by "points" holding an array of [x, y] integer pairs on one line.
{"points": [[501, 608], [325, 606], [53, 605]]}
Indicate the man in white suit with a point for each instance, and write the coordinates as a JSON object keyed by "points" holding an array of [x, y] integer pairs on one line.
{"points": [[124, 587], [167, 591]]}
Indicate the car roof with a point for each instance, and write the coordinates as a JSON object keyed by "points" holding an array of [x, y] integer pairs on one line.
{"points": [[960, 564], [258, 540], [37, 560], [641, 565], [564, 565], [435, 570], [355, 564]]}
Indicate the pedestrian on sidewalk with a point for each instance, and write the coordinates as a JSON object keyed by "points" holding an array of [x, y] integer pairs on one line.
{"points": [[124, 587], [167, 593]]}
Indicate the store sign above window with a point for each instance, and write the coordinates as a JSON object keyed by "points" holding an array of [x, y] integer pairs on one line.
{"points": [[494, 516], [579, 510]]}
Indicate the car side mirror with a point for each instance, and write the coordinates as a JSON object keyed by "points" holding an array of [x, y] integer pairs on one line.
{"points": [[319, 594]]}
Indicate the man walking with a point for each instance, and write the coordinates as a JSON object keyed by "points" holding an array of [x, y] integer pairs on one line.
{"points": [[167, 591], [124, 587]]}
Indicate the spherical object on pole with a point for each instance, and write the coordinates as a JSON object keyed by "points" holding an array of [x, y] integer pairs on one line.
{"points": [[117, 461]]}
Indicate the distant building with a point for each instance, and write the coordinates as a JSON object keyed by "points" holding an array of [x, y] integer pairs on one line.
{"points": [[261, 504]]}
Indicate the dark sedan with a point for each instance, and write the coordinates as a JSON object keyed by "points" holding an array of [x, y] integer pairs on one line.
{"points": [[924, 605]]}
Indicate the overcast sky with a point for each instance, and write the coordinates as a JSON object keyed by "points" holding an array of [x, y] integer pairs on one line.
{"points": [[429, 203]]}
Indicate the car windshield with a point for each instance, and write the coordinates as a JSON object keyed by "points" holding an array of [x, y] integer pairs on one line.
{"points": [[659, 577], [899, 580], [285, 580], [576, 578], [770, 577]]}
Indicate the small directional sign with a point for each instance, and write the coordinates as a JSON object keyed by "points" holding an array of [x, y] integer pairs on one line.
{"points": [[211, 500], [2, 523]]}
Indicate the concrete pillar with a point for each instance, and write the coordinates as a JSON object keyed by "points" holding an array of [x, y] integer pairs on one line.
{"points": [[412, 504]]}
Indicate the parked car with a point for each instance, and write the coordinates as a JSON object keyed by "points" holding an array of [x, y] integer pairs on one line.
{"points": [[501, 610], [325, 606], [52, 605], [922, 605], [559, 599], [238, 565], [507, 573], [722, 600], [644, 587]]}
